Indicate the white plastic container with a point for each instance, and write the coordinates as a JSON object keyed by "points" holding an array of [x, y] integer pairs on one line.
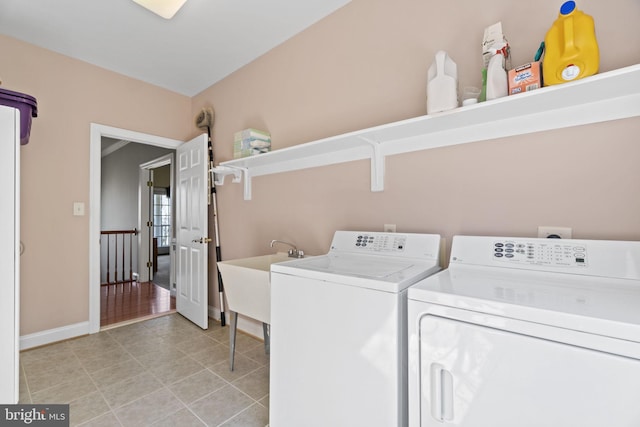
{"points": [[442, 85], [497, 81]]}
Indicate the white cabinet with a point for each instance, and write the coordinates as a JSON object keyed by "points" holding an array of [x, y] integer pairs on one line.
{"points": [[9, 253], [607, 96]]}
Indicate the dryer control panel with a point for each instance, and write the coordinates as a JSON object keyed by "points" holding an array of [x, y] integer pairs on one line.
{"points": [[551, 252], [603, 258]]}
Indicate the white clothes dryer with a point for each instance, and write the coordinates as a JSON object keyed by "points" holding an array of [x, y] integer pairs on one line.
{"points": [[527, 333], [339, 330]]}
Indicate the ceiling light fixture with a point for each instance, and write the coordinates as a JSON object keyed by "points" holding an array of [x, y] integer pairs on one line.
{"points": [[164, 8]]}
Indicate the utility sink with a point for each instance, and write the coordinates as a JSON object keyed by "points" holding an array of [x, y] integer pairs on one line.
{"points": [[247, 284]]}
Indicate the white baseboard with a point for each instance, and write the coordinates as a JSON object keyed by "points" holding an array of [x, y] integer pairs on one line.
{"points": [[53, 335], [214, 313], [245, 324], [248, 325]]}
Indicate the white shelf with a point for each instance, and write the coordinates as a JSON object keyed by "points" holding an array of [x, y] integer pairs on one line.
{"points": [[603, 97]]}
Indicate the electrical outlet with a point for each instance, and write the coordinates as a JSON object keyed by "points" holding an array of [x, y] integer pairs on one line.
{"points": [[389, 228], [554, 232]]}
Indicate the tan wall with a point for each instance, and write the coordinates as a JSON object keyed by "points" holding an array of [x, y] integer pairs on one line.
{"points": [[366, 65], [55, 168]]}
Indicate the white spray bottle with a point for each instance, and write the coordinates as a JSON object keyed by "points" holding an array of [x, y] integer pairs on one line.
{"points": [[497, 81]]}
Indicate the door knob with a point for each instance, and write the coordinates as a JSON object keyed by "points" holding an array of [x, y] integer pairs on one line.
{"points": [[202, 240]]}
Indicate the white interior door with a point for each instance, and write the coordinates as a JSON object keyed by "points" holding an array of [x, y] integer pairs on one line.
{"points": [[145, 272], [191, 235], [9, 254]]}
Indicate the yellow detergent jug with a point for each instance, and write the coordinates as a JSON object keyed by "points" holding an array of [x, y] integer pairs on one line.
{"points": [[571, 48]]}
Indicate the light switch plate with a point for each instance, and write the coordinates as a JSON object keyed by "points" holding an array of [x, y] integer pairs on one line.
{"points": [[78, 208]]}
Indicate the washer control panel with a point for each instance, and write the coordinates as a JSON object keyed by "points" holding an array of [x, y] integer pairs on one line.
{"points": [[380, 242], [549, 252], [402, 245]]}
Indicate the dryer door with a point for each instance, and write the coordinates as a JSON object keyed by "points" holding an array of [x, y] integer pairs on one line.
{"points": [[473, 375]]}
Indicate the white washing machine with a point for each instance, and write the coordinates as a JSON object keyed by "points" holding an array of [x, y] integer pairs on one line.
{"points": [[528, 333], [339, 331]]}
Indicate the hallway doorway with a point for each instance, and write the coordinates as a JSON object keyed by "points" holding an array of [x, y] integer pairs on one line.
{"points": [[106, 214], [127, 203]]}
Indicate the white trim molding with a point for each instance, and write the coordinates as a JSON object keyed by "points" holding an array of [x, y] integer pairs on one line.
{"points": [[53, 335]]}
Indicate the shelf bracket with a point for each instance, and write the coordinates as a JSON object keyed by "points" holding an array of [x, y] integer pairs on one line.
{"points": [[220, 172], [247, 183], [377, 164]]}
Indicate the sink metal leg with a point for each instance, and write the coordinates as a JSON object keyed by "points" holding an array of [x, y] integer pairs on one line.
{"points": [[267, 337], [232, 337]]}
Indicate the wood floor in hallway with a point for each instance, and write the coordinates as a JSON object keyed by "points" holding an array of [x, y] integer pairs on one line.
{"points": [[129, 301]]}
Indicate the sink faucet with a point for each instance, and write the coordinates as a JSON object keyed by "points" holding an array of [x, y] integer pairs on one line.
{"points": [[294, 252]]}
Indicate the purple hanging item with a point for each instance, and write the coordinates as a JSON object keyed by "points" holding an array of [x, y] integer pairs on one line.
{"points": [[28, 107]]}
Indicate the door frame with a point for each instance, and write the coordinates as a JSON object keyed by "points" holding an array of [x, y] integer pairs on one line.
{"points": [[97, 132]]}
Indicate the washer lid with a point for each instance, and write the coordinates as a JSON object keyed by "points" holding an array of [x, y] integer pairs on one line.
{"points": [[374, 272], [604, 306], [361, 266]]}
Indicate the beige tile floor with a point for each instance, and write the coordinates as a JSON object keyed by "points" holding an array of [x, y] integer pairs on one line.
{"points": [[161, 372]]}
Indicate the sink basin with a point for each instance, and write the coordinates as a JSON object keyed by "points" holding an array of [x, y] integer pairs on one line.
{"points": [[247, 284]]}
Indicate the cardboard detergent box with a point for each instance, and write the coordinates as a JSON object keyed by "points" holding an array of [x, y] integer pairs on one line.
{"points": [[525, 78]]}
